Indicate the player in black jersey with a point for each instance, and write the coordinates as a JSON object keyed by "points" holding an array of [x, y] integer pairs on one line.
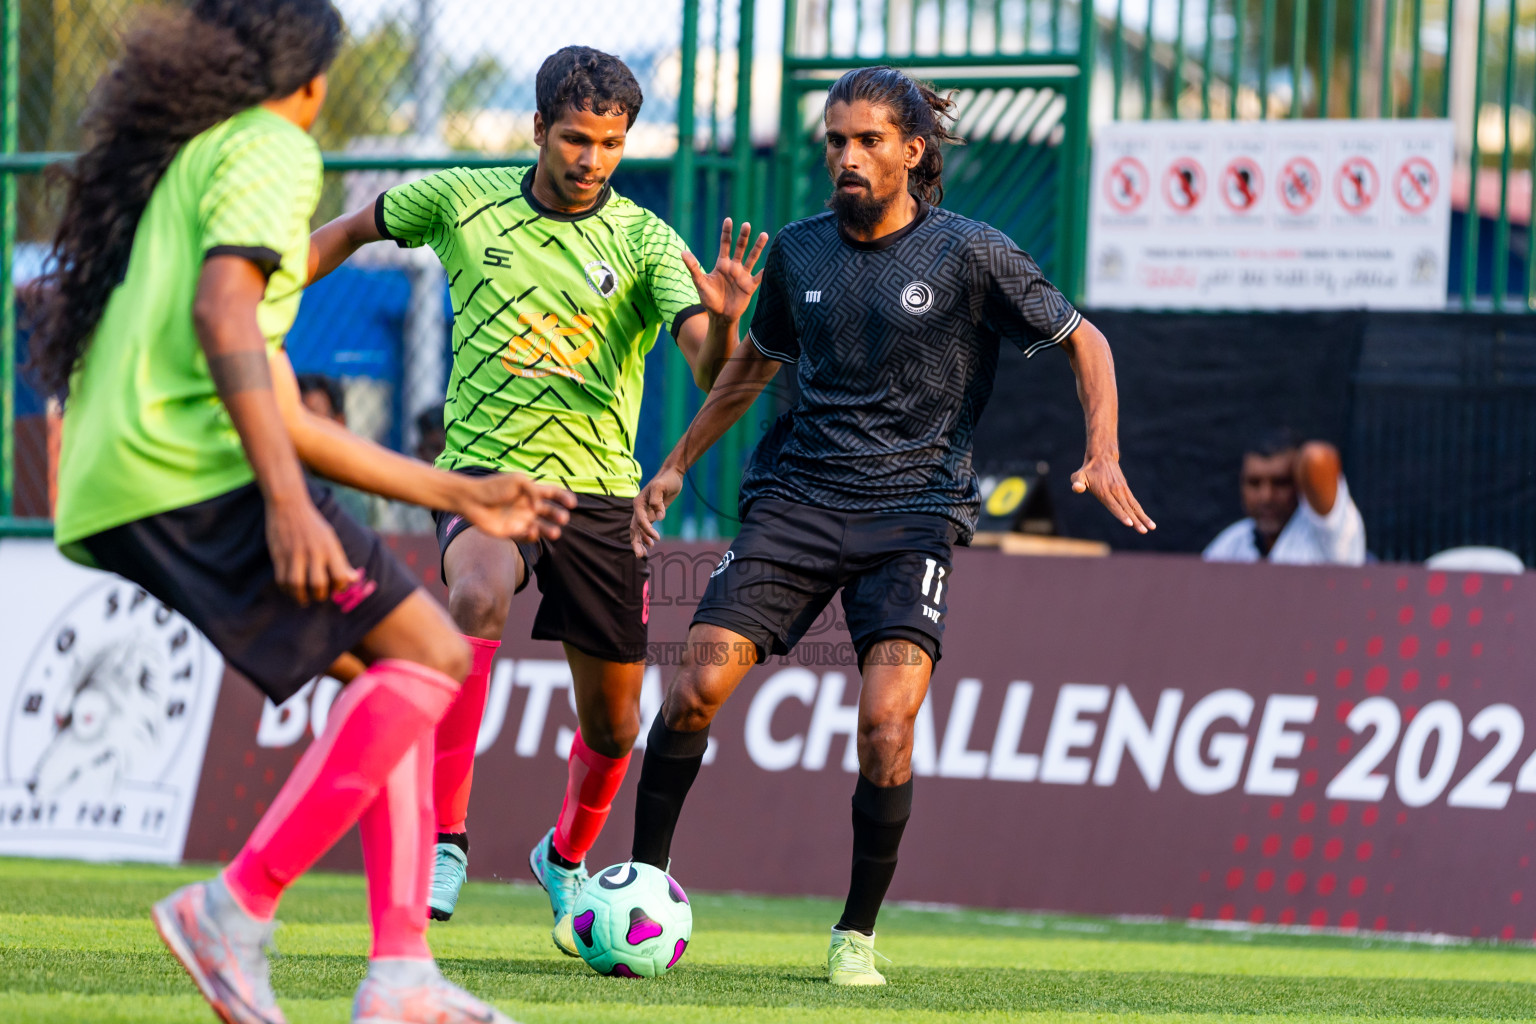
{"points": [[891, 311]]}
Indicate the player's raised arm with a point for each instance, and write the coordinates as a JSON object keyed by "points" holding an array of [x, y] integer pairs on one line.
{"points": [[745, 375], [708, 341], [332, 244], [1091, 361], [503, 505], [1318, 471]]}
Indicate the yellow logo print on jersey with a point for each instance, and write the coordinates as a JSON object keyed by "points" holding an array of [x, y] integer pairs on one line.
{"points": [[541, 350]]}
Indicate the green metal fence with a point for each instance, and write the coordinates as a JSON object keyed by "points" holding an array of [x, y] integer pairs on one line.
{"points": [[1020, 74], [424, 83], [1473, 61], [419, 85]]}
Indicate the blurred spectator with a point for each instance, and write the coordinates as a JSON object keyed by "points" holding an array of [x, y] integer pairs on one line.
{"points": [[323, 396], [431, 435], [398, 517], [326, 398], [1298, 505]]}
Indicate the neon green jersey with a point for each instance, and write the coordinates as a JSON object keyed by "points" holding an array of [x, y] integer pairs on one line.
{"points": [[553, 317], [144, 428]]}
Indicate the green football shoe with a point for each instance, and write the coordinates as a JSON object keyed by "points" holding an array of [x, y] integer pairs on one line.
{"points": [[563, 886], [450, 866], [851, 959]]}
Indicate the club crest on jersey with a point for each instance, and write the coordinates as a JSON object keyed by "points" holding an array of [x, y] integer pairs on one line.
{"points": [[917, 298], [601, 278]]}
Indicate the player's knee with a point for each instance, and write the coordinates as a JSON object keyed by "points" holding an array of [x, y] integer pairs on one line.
{"points": [[479, 606], [614, 738], [689, 707], [885, 746], [448, 653]]}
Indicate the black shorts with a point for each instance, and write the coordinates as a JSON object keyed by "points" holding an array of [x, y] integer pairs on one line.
{"points": [[210, 562], [789, 559], [596, 593]]}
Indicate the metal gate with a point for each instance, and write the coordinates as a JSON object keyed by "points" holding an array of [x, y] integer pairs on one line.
{"points": [[1020, 76]]}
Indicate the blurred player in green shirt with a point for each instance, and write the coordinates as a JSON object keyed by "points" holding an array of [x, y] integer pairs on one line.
{"points": [[176, 273], [560, 288]]}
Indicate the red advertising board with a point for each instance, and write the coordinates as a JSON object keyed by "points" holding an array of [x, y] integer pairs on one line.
{"points": [[1129, 735]]}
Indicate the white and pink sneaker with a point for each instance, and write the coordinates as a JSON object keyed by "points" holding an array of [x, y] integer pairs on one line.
{"points": [[223, 948], [415, 992]]}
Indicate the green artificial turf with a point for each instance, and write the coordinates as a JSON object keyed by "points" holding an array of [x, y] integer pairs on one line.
{"points": [[76, 945]]}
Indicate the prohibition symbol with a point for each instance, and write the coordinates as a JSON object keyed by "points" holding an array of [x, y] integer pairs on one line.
{"points": [[1357, 184], [1241, 184], [1300, 184], [1417, 184], [1184, 184], [1126, 184]]}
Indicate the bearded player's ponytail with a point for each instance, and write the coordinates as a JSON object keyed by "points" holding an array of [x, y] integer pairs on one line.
{"points": [[915, 108]]}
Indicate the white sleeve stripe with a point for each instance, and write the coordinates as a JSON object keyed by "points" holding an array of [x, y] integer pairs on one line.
{"points": [[778, 356], [1039, 346], [1068, 327]]}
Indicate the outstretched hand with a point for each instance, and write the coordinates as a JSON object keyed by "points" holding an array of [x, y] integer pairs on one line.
{"points": [[651, 507], [1102, 476], [727, 290], [511, 505]]}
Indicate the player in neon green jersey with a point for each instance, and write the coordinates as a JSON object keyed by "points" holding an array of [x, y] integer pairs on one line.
{"points": [[560, 288], [174, 276]]}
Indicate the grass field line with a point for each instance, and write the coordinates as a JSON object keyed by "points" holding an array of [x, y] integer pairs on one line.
{"points": [[729, 947], [75, 1009]]}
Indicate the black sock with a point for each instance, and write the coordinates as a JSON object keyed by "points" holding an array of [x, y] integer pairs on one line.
{"points": [[459, 839], [672, 761], [554, 856], [880, 815]]}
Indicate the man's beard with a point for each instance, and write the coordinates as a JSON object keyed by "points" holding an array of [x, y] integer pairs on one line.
{"points": [[858, 212]]}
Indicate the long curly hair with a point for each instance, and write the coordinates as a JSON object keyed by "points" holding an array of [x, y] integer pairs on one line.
{"points": [[182, 71], [916, 109]]}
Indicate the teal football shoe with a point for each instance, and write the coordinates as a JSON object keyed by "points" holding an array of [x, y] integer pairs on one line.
{"points": [[563, 886], [450, 866]]}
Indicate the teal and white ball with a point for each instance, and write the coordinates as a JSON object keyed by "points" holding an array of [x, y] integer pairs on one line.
{"points": [[632, 921]]}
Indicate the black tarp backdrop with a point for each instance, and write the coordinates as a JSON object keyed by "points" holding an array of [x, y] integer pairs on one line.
{"points": [[1435, 415], [1443, 433], [1193, 390]]}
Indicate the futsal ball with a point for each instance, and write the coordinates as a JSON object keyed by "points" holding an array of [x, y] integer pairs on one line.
{"points": [[632, 921]]}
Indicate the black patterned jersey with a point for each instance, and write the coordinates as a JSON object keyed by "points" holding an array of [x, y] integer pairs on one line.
{"points": [[894, 344]]}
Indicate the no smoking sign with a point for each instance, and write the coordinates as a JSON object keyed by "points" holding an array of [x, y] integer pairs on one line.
{"points": [[1416, 184], [1126, 184], [1184, 184], [1300, 184], [1357, 184], [1242, 184]]}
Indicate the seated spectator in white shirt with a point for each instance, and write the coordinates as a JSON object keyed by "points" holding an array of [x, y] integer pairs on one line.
{"points": [[1298, 505]]}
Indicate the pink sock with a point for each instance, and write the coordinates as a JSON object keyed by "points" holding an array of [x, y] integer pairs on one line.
{"points": [[397, 857], [589, 791], [377, 718], [457, 733]]}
